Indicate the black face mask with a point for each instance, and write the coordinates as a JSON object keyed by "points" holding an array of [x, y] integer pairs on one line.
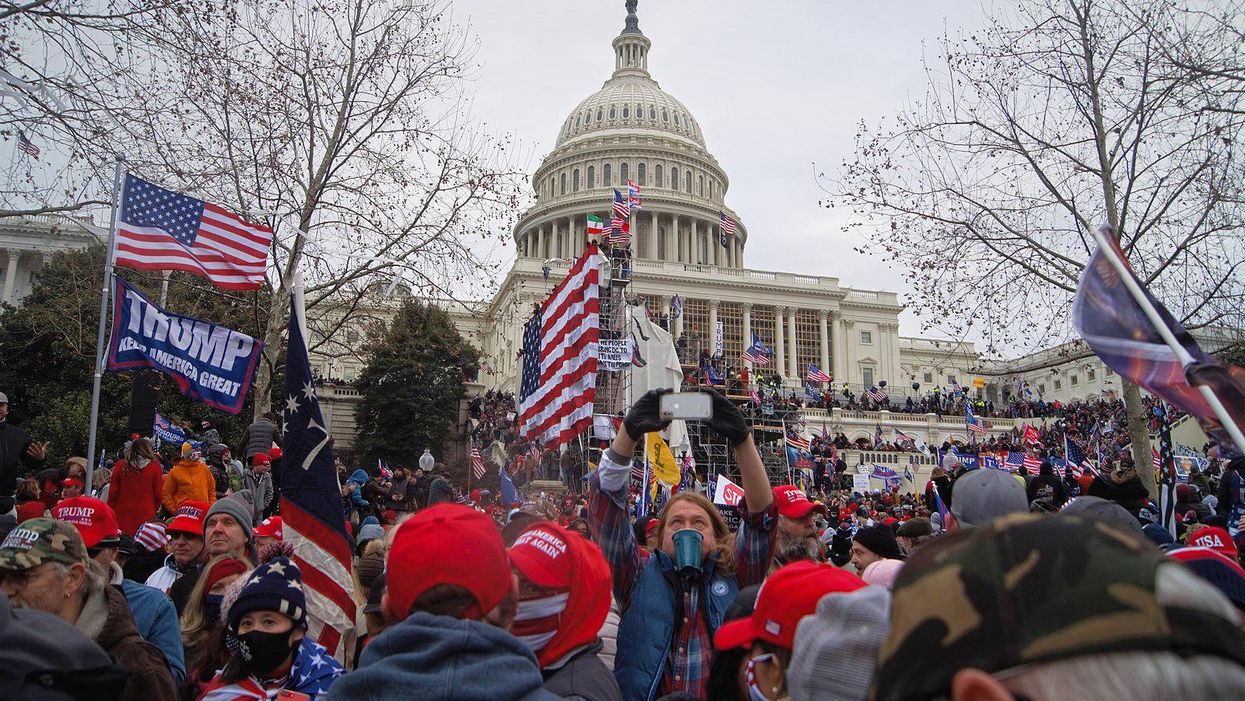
{"points": [[264, 652]]}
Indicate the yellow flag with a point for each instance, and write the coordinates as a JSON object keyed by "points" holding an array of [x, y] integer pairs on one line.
{"points": [[662, 461]]}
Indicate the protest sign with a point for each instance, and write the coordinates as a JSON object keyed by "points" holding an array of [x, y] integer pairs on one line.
{"points": [[727, 492], [167, 431], [614, 354], [208, 362], [860, 483]]}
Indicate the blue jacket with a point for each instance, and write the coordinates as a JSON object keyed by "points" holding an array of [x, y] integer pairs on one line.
{"points": [[647, 626], [359, 478], [437, 658], [156, 620]]}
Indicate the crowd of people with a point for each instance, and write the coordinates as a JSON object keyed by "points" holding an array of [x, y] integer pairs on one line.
{"points": [[164, 583]]}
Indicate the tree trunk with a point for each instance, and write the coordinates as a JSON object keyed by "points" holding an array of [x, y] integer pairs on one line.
{"points": [[1138, 434], [278, 317]]}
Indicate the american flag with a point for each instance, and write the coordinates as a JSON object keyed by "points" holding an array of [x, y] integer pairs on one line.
{"points": [[728, 224], [757, 353], [619, 233], [1074, 456], [955, 386], [901, 437], [164, 230], [633, 196], [797, 441], [311, 505], [1031, 462], [477, 462], [972, 423], [876, 394], [560, 358], [815, 374], [622, 207], [27, 146]]}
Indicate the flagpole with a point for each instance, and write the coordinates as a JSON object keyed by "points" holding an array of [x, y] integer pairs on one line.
{"points": [[105, 294], [1100, 235]]}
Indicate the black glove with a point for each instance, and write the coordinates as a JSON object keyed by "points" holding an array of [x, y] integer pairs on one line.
{"points": [[727, 420], [645, 415]]}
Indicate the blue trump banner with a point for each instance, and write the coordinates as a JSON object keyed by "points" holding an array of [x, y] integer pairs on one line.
{"points": [[208, 362], [167, 431]]}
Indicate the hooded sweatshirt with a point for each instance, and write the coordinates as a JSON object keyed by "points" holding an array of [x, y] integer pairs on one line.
{"points": [[438, 658], [189, 480]]}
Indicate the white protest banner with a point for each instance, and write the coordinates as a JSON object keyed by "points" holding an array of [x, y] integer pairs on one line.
{"points": [[614, 354], [860, 483]]}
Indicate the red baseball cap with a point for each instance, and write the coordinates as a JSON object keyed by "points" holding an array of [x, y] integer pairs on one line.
{"points": [[268, 528], [261, 459], [189, 518], [541, 554], [447, 544], [72, 481], [275, 453], [93, 518], [651, 527], [1216, 539], [792, 502], [790, 594]]}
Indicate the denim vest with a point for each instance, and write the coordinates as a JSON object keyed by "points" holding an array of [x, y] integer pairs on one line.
{"points": [[646, 630]]}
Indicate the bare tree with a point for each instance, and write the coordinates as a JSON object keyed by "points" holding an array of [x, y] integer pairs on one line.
{"points": [[1051, 120]]}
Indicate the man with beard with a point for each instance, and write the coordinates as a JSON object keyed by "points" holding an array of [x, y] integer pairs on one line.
{"points": [[797, 534]]}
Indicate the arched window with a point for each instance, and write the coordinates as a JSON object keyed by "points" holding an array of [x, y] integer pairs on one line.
{"points": [[600, 114], [639, 112], [612, 112], [623, 174], [552, 185], [687, 181], [607, 177], [576, 122], [587, 117], [701, 179], [564, 183], [652, 113], [575, 180], [674, 178], [592, 177], [626, 111], [665, 116], [657, 175], [640, 172]]}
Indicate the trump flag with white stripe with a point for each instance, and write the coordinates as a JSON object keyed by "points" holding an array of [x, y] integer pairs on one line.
{"points": [[311, 505], [159, 229]]}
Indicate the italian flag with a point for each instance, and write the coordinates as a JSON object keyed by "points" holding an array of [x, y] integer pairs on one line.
{"points": [[595, 225]]}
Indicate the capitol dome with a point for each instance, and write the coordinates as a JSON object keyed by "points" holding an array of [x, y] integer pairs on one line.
{"points": [[632, 131]]}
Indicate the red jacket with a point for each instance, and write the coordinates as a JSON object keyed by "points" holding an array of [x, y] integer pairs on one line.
{"points": [[134, 494]]}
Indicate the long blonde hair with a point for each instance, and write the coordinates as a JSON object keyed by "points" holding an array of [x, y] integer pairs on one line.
{"points": [[197, 630], [723, 550]]}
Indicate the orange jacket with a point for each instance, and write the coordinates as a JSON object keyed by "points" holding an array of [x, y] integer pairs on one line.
{"points": [[189, 480]]}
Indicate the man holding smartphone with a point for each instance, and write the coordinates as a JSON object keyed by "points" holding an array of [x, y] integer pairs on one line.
{"points": [[674, 599]]}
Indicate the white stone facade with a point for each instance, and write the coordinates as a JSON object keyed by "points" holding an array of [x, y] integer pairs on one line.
{"points": [[27, 242]]}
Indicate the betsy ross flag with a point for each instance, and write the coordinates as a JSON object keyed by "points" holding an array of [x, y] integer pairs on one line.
{"points": [[311, 503], [477, 462], [27, 146], [815, 374], [595, 225], [757, 353], [622, 207], [633, 196], [559, 377], [160, 229]]}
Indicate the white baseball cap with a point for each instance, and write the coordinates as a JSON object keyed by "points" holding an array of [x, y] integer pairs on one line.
{"points": [[4, 398]]}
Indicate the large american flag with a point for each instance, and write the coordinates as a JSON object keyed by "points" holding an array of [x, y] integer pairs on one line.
{"points": [[728, 224], [816, 374], [876, 394], [311, 503], [559, 378], [1074, 456], [27, 146], [477, 462], [757, 353], [622, 206], [164, 230]]}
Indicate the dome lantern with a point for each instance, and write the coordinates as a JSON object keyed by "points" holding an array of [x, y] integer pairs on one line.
{"points": [[631, 47]]}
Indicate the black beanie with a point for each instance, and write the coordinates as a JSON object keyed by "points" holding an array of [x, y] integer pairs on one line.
{"points": [[880, 540]]}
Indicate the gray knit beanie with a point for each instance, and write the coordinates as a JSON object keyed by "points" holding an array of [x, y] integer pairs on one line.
{"points": [[837, 647], [237, 508]]}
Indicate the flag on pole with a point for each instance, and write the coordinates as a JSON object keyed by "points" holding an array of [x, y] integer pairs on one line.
{"points": [[477, 462], [159, 229], [560, 358], [595, 225], [509, 495], [811, 392], [619, 234], [27, 146], [311, 506], [1116, 326], [795, 440], [622, 206], [676, 307], [728, 224], [1031, 436], [757, 353], [815, 374], [876, 394], [971, 422], [633, 196]]}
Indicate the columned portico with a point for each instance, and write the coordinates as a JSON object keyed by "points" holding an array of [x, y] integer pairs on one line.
{"points": [[823, 336], [780, 348], [10, 274]]}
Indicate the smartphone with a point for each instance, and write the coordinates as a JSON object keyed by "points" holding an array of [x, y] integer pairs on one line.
{"points": [[689, 406]]}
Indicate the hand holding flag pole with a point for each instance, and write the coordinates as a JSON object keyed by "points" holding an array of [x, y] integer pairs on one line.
{"points": [[1109, 252]]}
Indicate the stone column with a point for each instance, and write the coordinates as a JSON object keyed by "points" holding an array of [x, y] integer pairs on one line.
{"points": [[665, 307], [10, 274], [824, 336], [780, 349], [849, 351], [713, 326], [540, 242], [747, 339], [838, 354], [739, 253], [677, 236], [652, 237], [695, 257], [792, 346], [711, 240]]}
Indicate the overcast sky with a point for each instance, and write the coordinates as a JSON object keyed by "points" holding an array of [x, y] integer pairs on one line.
{"points": [[778, 88]]}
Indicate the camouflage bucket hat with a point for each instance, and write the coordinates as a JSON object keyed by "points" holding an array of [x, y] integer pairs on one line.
{"points": [[1028, 589], [41, 540]]}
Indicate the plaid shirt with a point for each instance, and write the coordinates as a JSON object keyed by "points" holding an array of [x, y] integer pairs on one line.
{"points": [[692, 647]]}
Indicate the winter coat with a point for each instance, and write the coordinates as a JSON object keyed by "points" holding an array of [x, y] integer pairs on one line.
{"points": [[156, 620], [258, 492], [313, 672], [260, 437], [141, 565], [106, 619], [1131, 494], [134, 493], [1048, 488], [163, 578], [358, 478], [439, 491], [609, 635], [189, 480], [582, 675], [437, 658], [13, 444], [405, 488]]}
